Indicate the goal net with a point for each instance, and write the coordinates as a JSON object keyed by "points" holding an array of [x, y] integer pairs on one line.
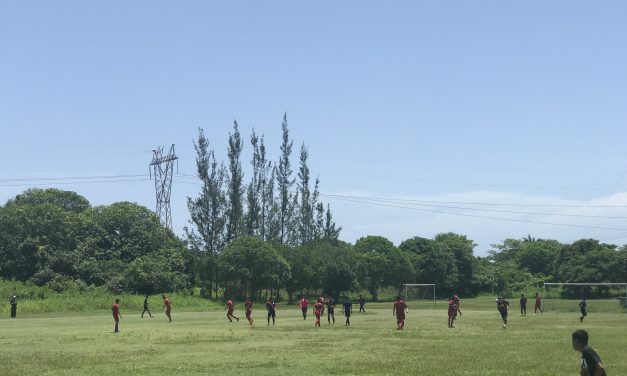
{"points": [[565, 296], [420, 294]]}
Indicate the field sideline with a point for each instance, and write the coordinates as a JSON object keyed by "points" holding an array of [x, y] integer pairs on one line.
{"points": [[203, 343]]}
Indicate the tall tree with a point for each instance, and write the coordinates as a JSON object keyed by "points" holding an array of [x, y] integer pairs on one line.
{"points": [[331, 231], [285, 182], [254, 192], [266, 190], [235, 189], [306, 225]]}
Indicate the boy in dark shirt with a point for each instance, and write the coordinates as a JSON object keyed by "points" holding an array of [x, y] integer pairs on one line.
{"points": [[502, 305], [362, 303], [271, 308], [348, 309], [146, 309], [331, 310], [591, 364], [582, 307], [523, 305]]}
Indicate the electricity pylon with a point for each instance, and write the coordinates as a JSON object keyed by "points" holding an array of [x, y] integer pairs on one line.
{"points": [[163, 168]]}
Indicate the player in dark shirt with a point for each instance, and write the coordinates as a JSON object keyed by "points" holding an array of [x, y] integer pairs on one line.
{"points": [[331, 310], [348, 310], [399, 311], [13, 303], [582, 306], [362, 303], [502, 305], [146, 309], [271, 308], [591, 364], [523, 305]]}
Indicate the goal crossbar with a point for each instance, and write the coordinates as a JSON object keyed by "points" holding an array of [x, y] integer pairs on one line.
{"points": [[418, 285]]}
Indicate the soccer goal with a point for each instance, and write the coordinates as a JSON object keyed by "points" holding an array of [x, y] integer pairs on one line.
{"points": [[557, 291], [420, 292]]}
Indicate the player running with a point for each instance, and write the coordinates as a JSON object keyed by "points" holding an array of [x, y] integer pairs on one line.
{"points": [[230, 308], [249, 311], [502, 305], [348, 310], [399, 311], [538, 305], [452, 312], [318, 308], [115, 309], [331, 310], [271, 308], [582, 306], [168, 307], [362, 303], [523, 305], [457, 301], [304, 303], [146, 309]]}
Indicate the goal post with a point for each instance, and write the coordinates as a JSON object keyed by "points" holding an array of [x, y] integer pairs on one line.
{"points": [[622, 285], [409, 285]]}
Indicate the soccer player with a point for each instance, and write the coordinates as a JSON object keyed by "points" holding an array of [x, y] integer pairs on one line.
{"points": [[591, 364], [229, 313], [304, 303], [271, 308], [502, 305], [457, 301], [348, 310], [399, 311], [13, 303], [452, 312], [321, 299], [249, 310], [331, 310], [318, 308], [115, 309], [362, 303], [146, 307], [538, 305], [168, 307], [582, 307], [523, 305]]}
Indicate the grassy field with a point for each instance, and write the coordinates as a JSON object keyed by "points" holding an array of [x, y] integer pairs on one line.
{"points": [[203, 343]]}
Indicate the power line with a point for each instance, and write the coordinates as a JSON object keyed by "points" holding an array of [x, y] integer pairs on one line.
{"points": [[480, 216], [73, 178], [74, 182]]}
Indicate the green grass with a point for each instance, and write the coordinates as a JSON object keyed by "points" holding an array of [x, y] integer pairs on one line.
{"points": [[202, 343]]}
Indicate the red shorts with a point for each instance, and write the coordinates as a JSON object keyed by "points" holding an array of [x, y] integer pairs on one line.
{"points": [[248, 313]]}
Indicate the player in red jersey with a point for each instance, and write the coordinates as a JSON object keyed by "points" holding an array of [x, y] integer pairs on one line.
{"points": [[115, 309], [168, 307], [304, 303], [249, 310], [399, 311], [321, 300], [538, 305], [229, 313], [457, 300], [452, 312], [318, 308]]}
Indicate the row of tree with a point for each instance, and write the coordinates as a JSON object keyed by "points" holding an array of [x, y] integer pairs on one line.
{"points": [[274, 206]]}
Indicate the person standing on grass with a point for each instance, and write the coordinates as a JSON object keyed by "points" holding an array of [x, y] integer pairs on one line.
{"points": [[523, 305], [331, 310], [591, 364], [362, 303], [249, 311], [318, 308], [168, 307], [146, 307], [229, 313], [115, 309], [582, 306], [348, 310], [452, 312], [13, 302], [271, 308], [399, 311], [502, 305], [304, 303], [538, 305], [457, 302]]}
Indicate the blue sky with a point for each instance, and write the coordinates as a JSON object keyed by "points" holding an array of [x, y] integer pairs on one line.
{"points": [[460, 104]]}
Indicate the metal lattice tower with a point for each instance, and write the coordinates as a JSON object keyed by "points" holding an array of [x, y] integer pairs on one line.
{"points": [[163, 168]]}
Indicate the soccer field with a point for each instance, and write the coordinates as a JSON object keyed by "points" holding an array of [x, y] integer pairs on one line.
{"points": [[204, 343]]}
